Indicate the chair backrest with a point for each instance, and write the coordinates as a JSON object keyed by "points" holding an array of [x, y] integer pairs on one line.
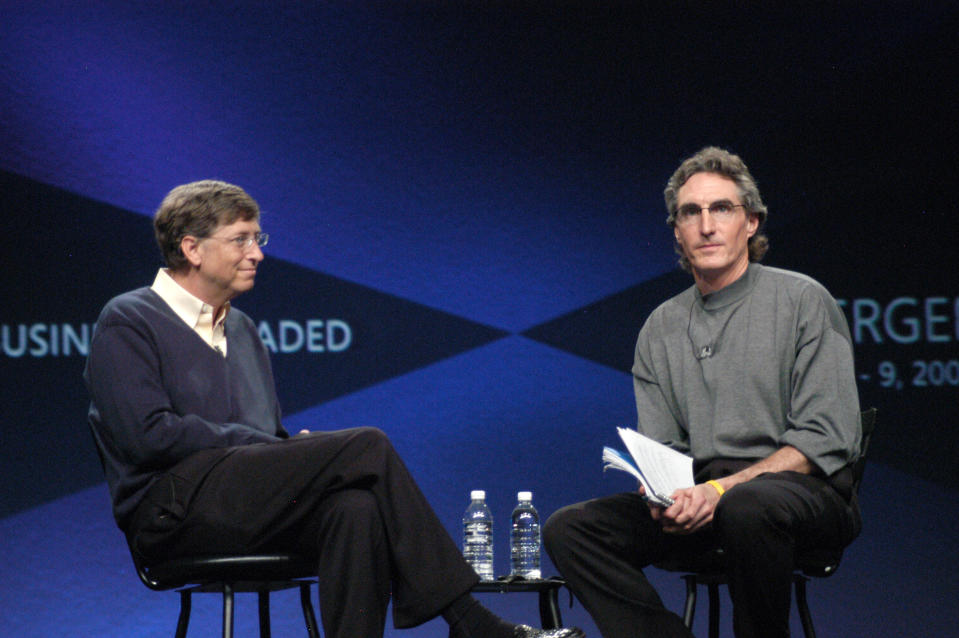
{"points": [[867, 419]]}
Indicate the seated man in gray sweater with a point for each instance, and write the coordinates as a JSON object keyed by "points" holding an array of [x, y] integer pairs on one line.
{"points": [[749, 371], [185, 415]]}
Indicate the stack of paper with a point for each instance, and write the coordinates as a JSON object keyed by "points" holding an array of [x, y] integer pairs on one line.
{"points": [[661, 470]]}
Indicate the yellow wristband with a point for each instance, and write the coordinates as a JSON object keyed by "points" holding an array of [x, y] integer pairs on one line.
{"points": [[717, 486]]}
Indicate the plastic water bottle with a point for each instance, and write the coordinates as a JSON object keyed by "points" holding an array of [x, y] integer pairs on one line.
{"points": [[478, 535], [524, 539]]}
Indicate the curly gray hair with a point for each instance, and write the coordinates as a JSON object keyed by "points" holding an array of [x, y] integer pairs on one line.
{"points": [[720, 161]]}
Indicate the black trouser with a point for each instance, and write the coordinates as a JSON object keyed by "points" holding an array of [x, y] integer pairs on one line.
{"points": [[344, 497], [601, 547]]}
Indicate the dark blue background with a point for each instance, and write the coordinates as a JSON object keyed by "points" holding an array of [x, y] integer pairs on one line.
{"points": [[476, 189]]}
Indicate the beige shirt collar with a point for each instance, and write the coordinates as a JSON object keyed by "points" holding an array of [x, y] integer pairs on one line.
{"points": [[197, 314]]}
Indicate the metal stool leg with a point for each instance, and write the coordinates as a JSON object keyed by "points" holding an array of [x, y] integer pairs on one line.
{"points": [[689, 611], [712, 584], [803, 607], [184, 618], [264, 613], [308, 614], [227, 610], [713, 610], [549, 614]]}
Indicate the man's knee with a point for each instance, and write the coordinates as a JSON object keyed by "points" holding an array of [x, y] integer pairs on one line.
{"points": [[370, 435], [748, 510], [556, 527], [355, 508], [567, 529], [366, 440], [736, 508]]}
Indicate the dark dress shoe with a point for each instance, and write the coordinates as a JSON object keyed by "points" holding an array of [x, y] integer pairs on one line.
{"points": [[525, 631]]}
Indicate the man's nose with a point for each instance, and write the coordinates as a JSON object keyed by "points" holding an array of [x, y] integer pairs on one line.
{"points": [[707, 225]]}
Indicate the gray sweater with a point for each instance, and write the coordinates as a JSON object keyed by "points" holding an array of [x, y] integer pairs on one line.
{"points": [[765, 362]]}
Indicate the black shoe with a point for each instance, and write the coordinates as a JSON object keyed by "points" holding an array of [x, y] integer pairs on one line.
{"points": [[525, 631]]}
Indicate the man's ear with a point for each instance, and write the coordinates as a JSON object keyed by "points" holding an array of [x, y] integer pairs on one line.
{"points": [[752, 224], [190, 247]]}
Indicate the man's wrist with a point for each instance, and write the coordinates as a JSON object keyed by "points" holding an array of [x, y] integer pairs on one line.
{"points": [[717, 486]]}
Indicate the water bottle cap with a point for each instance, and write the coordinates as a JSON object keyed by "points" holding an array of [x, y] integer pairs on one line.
{"points": [[524, 496], [478, 495]]}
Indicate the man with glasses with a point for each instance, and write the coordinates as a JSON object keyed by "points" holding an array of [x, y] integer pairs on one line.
{"points": [[750, 372], [185, 415]]}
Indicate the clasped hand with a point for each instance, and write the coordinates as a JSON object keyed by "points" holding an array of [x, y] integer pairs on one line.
{"points": [[691, 510]]}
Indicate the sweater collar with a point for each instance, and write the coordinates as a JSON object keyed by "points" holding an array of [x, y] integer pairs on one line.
{"points": [[733, 292]]}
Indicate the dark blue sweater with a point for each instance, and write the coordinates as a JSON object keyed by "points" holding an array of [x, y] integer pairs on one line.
{"points": [[159, 393]]}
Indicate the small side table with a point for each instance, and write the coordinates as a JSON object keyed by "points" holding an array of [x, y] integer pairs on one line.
{"points": [[547, 588]]}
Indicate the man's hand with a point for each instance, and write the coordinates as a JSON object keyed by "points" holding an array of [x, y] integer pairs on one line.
{"points": [[694, 506], [692, 509], [656, 511]]}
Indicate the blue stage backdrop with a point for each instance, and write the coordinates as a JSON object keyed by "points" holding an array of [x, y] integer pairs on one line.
{"points": [[467, 231]]}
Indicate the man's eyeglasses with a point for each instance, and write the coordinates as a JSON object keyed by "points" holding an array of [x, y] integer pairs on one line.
{"points": [[720, 211], [245, 242]]}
